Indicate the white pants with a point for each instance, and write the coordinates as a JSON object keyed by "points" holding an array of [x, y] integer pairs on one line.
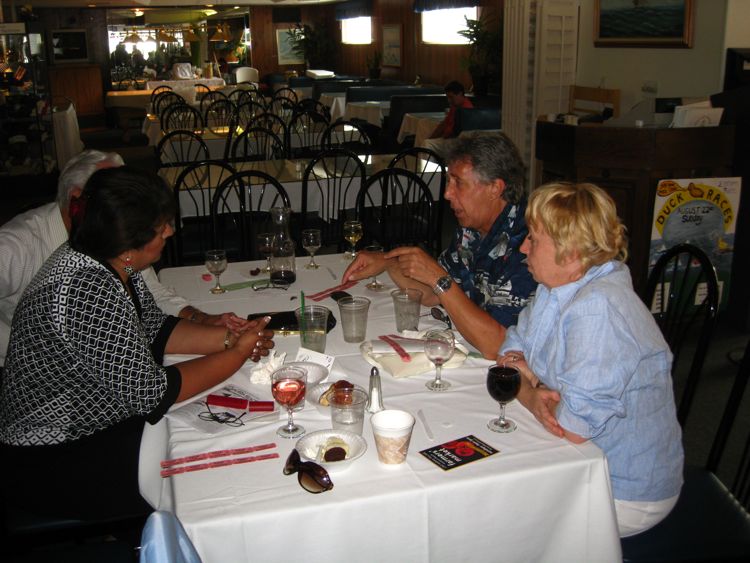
{"points": [[634, 517]]}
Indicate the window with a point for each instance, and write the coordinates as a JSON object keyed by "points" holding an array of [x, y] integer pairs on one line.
{"points": [[356, 31], [442, 26]]}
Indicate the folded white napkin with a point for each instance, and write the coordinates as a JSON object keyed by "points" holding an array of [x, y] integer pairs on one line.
{"points": [[261, 374], [381, 355]]}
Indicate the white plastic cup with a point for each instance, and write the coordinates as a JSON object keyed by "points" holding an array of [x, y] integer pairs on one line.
{"points": [[313, 328], [392, 431], [348, 410], [353, 312], [406, 303]]}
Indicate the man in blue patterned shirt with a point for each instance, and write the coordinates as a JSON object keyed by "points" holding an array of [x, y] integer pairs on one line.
{"points": [[481, 279]]}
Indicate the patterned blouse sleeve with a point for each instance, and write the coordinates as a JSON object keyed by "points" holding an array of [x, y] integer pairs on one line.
{"points": [[110, 340]]}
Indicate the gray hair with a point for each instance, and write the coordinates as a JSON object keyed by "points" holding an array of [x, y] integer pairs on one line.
{"points": [[493, 156], [79, 169]]}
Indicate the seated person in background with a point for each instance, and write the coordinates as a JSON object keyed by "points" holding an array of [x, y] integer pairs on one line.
{"points": [[454, 91], [602, 362], [84, 370], [28, 239], [481, 278]]}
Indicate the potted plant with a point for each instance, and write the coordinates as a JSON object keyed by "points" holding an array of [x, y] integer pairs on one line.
{"points": [[373, 64], [485, 53], [314, 44]]}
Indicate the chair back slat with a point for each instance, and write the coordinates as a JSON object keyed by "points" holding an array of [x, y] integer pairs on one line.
{"points": [[674, 292]]}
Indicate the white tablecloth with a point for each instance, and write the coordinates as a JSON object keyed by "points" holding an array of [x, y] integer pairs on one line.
{"points": [[172, 83], [67, 135], [372, 112], [421, 125], [336, 101], [539, 499]]}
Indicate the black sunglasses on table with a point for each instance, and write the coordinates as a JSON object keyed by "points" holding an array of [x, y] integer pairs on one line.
{"points": [[311, 476]]}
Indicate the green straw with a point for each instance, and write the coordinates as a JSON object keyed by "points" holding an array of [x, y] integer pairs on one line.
{"points": [[302, 312]]}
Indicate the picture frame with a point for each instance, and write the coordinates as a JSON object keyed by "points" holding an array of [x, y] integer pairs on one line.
{"points": [[658, 23], [69, 46], [284, 49], [392, 45]]}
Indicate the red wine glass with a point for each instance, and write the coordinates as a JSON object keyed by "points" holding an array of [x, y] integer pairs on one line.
{"points": [[288, 388], [503, 384]]}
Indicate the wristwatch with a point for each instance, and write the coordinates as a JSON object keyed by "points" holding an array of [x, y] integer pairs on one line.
{"points": [[443, 284]]}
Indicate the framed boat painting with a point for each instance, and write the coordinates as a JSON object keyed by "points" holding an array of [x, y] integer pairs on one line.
{"points": [[643, 23]]}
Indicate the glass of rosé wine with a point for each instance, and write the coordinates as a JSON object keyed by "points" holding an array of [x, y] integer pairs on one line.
{"points": [[288, 388]]}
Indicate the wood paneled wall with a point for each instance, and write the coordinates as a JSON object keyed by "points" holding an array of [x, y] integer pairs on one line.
{"points": [[436, 64], [263, 33]]}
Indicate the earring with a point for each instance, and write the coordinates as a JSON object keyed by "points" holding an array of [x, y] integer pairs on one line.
{"points": [[129, 270]]}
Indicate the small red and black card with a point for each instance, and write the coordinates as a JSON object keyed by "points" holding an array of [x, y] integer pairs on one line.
{"points": [[458, 452]]}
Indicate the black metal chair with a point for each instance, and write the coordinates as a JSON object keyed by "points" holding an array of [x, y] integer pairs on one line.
{"points": [[201, 90], [711, 521], [180, 148], [193, 193], [683, 294], [210, 97], [308, 104], [239, 211], [257, 143], [286, 92], [304, 134], [346, 135], [283, 107], [431, 169], [247, 111], [330, 185], [158, 90], [219, 116], [396, 209], [181, 116], [165, 99]]}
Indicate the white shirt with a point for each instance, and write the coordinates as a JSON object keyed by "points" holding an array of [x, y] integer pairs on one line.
{"points": [[26, 241]]}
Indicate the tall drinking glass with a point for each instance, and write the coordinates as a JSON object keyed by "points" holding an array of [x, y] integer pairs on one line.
{"points": [[288, 388], [439, 346], [265, 240], [352, 234], [216, 263], [503, 384], [311, 243], [374, 284]]}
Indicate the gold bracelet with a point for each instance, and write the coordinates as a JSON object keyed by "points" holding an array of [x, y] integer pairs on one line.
{"points": [[227, 341]]}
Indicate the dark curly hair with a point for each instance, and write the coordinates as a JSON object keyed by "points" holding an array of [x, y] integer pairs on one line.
{"points": [[119, 209], [492, 156]]}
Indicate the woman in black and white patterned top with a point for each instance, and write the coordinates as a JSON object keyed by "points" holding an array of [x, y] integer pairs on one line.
{"points": [[84, 370]]}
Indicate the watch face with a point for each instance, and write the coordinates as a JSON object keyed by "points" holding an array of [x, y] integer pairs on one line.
{"points": [[444, 283]]}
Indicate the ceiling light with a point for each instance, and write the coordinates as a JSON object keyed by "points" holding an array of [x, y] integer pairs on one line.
{"points": [[132, 38], [190, 36], [137, 13]]}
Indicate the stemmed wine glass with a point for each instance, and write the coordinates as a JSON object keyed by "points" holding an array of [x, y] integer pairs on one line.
{"points": [[288, 388], [503, 384], [439, 346], [374, 284], [311, 243], [216, 263], [265, 248], [352, 233]]}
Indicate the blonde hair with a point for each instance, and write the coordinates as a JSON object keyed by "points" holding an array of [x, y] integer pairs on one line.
{"points": [[581, 219]]}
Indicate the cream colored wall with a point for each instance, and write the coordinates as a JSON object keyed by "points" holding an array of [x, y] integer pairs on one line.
{"points": [[694, 72], [738, 24]]}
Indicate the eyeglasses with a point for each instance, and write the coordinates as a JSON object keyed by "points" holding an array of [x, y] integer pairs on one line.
{"points": [[311, 476], [271, 285]]}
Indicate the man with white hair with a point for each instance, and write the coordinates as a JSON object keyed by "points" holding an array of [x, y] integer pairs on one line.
{"points": [[27, 240]]}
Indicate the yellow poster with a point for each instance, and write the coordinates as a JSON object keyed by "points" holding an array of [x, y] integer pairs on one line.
{"points": [[699, 211]]}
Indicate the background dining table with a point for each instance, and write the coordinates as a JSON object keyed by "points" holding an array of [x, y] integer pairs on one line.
{"points": [[539, 498]]}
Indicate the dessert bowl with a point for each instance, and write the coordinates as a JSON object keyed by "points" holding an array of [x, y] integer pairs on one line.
{"points": [[311, 448]]}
